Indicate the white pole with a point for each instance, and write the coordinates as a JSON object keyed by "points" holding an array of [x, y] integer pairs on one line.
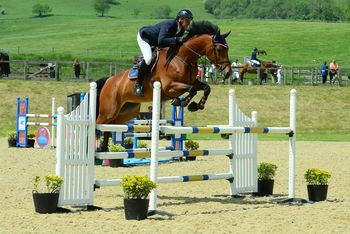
{"points": [[91, 140], [155, 140], [53, 121], [232, 114], [59, 149], [292, 143]]}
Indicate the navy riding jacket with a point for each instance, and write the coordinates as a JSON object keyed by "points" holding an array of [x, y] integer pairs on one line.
{"points": [[254, 56], [162, 34]]}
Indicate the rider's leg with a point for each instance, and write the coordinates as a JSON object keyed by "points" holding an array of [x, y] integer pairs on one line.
{"points": [[138, 87], [147, 57]]}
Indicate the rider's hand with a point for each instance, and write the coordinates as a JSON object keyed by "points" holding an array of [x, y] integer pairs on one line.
{"points": [[179, 40]]}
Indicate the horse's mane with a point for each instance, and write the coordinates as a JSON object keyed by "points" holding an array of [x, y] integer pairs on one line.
{"points": [[201, 27]]}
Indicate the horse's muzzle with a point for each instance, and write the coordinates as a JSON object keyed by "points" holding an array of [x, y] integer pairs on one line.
{"points": [[226, 72]]}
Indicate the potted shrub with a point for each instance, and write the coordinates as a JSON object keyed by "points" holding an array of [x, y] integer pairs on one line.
{"points": [[141, 144], [31, 139], [115, 148], [266, 172], [11, 139], [317, 183], [191, 145], [129, 143], [136, 189], [46, 201]]}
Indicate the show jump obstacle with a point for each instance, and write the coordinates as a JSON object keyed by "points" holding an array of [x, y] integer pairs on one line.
{"points": [[76, 155], [22, 122]]}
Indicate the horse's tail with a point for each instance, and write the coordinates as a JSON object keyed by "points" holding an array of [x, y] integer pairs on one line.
{"points": [[100, 83]]}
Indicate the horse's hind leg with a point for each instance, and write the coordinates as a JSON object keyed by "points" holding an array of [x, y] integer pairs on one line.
{"points": [[104, 146]]}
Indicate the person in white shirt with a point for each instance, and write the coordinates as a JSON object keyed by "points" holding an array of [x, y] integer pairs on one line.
{"points": [[234, 66], [279, 75]]}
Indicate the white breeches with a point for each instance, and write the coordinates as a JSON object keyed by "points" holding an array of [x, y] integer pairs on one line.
{"points": [[145, 49]]}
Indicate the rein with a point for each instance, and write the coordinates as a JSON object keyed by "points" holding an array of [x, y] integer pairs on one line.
{"points": [[213, 48]]}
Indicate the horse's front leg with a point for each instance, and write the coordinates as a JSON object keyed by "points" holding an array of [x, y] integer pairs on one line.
{"points": [[200, 105]]}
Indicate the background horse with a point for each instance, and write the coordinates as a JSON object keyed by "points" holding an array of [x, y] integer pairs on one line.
{"points": [[261, 52], [176, 69], [4, 66], [247, 68]]}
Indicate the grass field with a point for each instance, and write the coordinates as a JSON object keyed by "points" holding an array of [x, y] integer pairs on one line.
{"points": [[75, 30], [322, 111]]}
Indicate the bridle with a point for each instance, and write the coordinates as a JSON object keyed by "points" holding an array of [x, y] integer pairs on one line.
{"points": [[213, 48]]}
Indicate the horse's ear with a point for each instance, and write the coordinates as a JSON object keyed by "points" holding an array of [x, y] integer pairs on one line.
{"points": [[226, 34], [217, 35]]}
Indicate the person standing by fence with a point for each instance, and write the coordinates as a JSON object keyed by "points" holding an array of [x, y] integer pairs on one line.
{"points": [[234, 66], [76, 67], [212, 73], [324, 72], [333, 71], [279, 74]]}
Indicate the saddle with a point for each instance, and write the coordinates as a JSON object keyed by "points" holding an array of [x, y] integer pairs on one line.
{"points": [[254, 64], [137, 60]]}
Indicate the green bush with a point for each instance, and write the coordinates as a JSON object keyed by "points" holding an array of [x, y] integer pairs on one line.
{"points": [[266, 170], [116, 148], [315, 176]]}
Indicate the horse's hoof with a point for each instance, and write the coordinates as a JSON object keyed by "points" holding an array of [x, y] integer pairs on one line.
{"points": [[176, 102], [192, 107], [101, 149]]}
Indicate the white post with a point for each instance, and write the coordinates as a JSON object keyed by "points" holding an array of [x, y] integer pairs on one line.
{"points": [[53, 121], [91, 140], [60, 147], [231, 115], [155, 140], [292, 143]]}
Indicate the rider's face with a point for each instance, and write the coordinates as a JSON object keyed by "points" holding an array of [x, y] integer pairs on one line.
{"points": [[184, 22]]}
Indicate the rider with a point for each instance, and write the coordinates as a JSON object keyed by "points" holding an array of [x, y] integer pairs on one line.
{"points": [[163, 34], [254, 59]]}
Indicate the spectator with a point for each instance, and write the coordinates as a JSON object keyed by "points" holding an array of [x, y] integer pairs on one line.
{"points": [[279, 74], [76, 67], [200, 71], [211, 73], [234, 65], [324, 72], [333, 71], [163, 34]]}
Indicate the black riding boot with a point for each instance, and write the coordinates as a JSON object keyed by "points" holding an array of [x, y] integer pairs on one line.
{"points": [[138, 87]]}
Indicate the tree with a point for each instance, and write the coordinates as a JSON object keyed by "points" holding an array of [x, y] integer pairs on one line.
{"points": [[136, 12], [101, 6], [162, 12], [41, 9]]}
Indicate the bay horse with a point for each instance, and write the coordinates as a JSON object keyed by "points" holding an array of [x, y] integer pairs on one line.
{"points": [[247, 68], [176, 70], [261, 52], [4, 66]]}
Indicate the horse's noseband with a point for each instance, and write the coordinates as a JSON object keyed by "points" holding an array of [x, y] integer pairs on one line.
{"points": [[217, 63]]}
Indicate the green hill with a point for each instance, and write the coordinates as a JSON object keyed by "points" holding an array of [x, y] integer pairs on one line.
{"points": [[74, 30]]}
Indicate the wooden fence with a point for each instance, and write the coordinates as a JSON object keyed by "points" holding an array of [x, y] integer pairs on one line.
{"points": [[63, 71]]}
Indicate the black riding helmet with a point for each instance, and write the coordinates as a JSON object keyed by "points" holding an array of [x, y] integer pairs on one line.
{"points": [[184, 13], [255, 49]]}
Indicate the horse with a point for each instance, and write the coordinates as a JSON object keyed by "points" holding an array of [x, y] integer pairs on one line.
{"points": [[175, 68], [261, 52], [247, 68], [4, 66]]}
